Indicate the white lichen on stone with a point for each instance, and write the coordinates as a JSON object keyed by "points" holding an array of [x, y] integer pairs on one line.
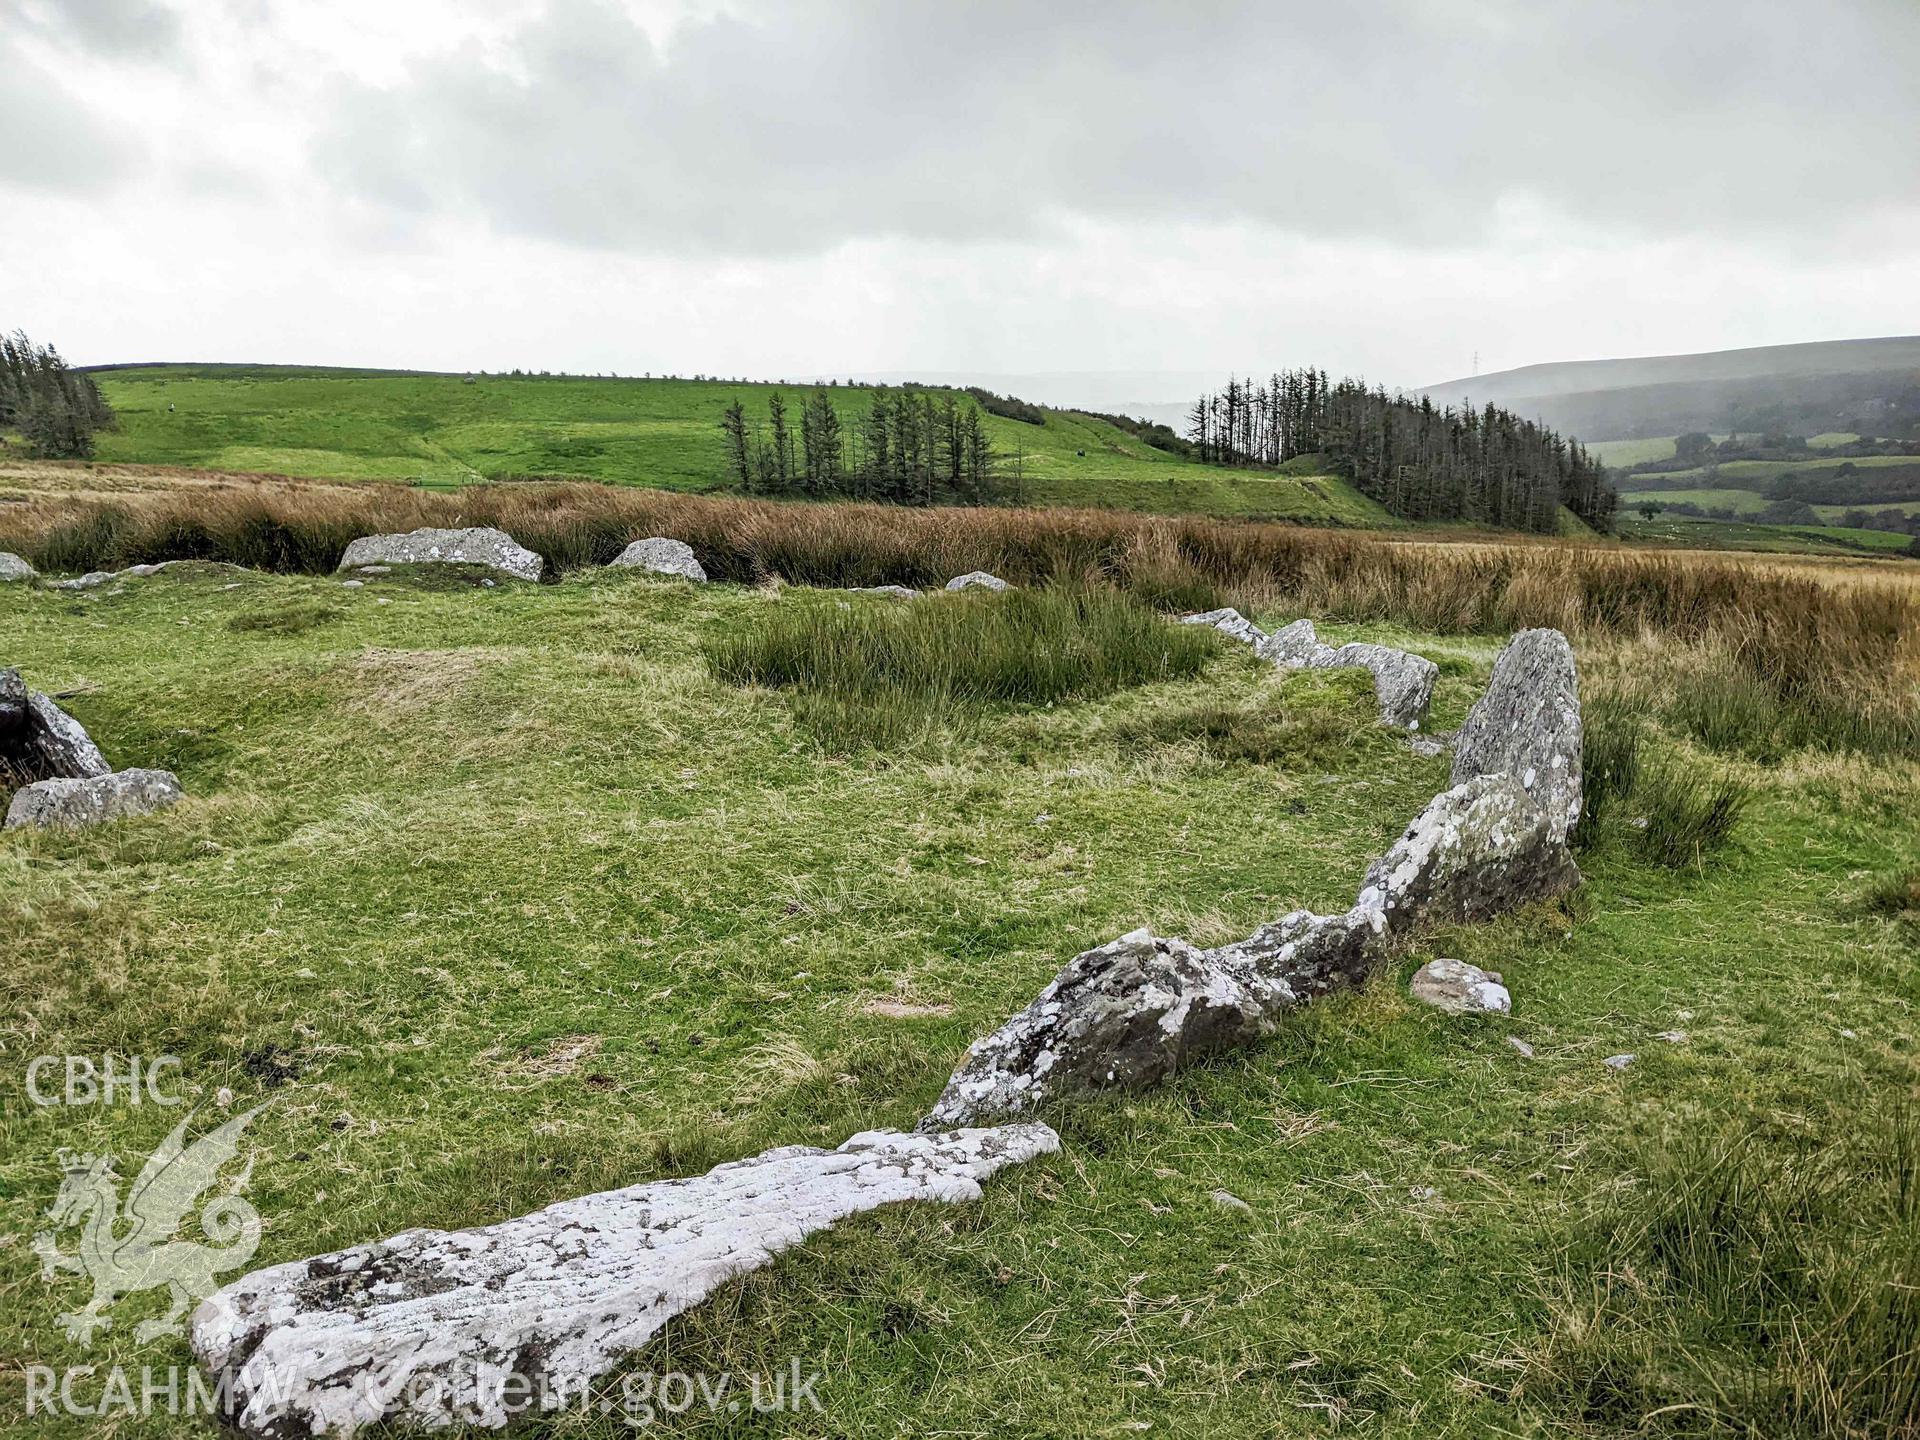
{"points": [[426, 1327]]}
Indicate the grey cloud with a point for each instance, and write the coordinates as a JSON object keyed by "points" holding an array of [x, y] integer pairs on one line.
{"points": [[791, 129], [61, 145], [116, 28]]}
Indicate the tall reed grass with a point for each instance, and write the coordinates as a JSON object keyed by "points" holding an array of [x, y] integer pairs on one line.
{"points": [[1784, 658], [877, 671]]}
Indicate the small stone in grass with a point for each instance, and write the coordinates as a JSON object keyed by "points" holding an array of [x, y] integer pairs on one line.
{"points": [[1672, 1037], [1227, 1200], [1517, 1043], [1617, 1062]]}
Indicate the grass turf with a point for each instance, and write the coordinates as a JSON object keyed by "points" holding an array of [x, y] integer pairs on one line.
{"points": [[527, 903], [444, 431]]}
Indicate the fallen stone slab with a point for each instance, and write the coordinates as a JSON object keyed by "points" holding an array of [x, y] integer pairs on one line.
{"points": [[977, 580], [1231, 623], [13, 568], [93, 801], [1296, 645], [1402, 682], [94, 579], [425, 1328], [660, 556], [477, 545], [1129, 1013], [1476, 851], [1528, 726], [1459, 989], [39, 740], [888, 592]]}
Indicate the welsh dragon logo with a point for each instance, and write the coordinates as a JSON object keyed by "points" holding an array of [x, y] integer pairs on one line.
{"points": [[126, 1249]]}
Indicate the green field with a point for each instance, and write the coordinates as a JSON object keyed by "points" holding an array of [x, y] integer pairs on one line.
{"points": [[1668, 528], [1708, 475], [1744, 502], [444, 430], [1751, 502], [501, 897]]}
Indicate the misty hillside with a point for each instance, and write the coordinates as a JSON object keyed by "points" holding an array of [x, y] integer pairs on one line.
{"points": [[1867, 387]]}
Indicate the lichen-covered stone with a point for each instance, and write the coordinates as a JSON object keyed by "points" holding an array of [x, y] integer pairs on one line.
{"points": [[13, 568], [478, 545], [94, 579], [1402, 682], [423, 1329], [662, 556], [977, 580], [1130, 1013], [1297, 646], [1528, 726], [1230, 623], [39, 740], [1119, 1016], [1459, 989], [888, 592], [1476, 851], [93, 801]]}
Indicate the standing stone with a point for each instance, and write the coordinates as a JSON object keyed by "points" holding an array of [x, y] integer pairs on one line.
{"points": [[13, 568], [1231, 623], [420, 1329], [1527, 726], [977, 580], [478, 545], [1459, 989], [39, 740], [661, 556], [93, 801], [60, 742]]}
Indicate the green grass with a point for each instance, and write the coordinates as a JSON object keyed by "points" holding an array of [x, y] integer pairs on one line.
{"points": [[527, 903], [441, 431], [1744, 502]]}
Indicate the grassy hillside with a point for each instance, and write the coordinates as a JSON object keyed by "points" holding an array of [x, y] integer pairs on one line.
{"points": [[503, 896], [1828, 386], [446, 430]]}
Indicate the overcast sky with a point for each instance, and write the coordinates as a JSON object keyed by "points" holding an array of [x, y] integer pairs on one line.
{"points": [[840, 186]]}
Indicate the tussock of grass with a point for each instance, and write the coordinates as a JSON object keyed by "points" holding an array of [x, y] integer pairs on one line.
{"points": [[286, 619], [1690, 812], [1896, 896], [1612, 735], [1750, 1289], [876, 671]]}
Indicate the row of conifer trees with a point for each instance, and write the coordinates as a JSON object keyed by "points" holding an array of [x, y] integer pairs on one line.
{"points": [[55, 409], [1420, 461], [911, 447]]}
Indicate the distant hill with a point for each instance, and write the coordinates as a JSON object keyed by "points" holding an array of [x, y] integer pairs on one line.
{"points": [[1869, 387]]}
